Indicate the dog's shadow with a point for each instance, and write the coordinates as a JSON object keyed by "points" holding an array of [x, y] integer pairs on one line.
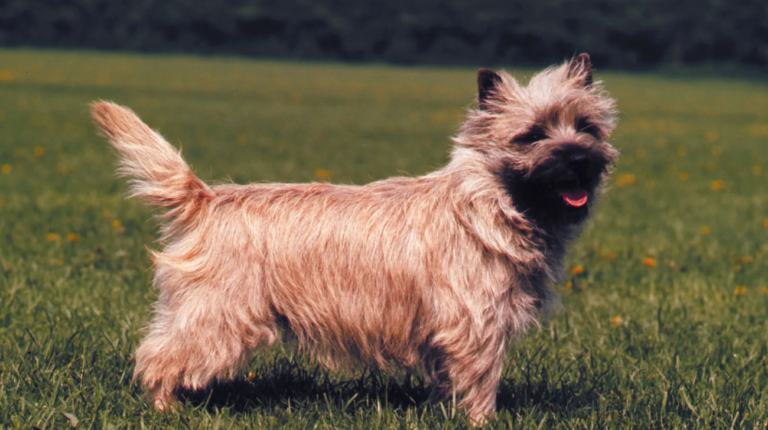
{"points": [[287, 384]]}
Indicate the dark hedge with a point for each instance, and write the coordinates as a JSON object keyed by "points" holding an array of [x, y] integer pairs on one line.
{"points": [[617, 33]]}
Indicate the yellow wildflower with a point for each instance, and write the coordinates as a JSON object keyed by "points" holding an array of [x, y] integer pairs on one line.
{"points": [[713, 136], [717, 185], [759, 129], [616, 321], [764, 290], [6, 169], [39, 151], [683, 176], [74, 237], [650, 262], [681, 151], [613, 256], [7, 75], [577, 270], [747, 259], [53, 237], [118, 226], [569, 284], [624, 179], [705, 229], [740, 291], [323, 174]]}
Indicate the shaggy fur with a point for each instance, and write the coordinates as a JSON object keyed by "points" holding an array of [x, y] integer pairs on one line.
{"points": [[434, 273]]}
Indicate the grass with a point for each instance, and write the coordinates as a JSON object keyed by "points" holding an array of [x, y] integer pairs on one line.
{"points": [[664, 324]]}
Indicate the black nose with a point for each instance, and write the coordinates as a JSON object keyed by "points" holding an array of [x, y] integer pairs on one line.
{"points": [[579, 163]]}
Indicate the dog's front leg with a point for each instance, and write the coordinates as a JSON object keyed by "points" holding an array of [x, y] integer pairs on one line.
{"points": [[472, 367]]}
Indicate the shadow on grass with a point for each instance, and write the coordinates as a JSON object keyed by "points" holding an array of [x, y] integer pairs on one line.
{"points": [[286, 383]]}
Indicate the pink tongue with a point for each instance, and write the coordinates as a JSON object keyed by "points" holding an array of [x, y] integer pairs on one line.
{"points": [[575, 198]]}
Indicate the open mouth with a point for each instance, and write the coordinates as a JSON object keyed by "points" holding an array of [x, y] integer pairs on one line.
{"points": [[576, 199]]}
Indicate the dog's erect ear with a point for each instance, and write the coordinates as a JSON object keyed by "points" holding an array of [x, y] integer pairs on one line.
{"points": [[581, 65], [487, 81]]}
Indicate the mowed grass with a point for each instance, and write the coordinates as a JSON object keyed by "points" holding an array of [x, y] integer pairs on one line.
{"points": [[664, 320]]}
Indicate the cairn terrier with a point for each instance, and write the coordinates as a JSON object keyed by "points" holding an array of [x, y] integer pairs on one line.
{"points": [[434, 273]]}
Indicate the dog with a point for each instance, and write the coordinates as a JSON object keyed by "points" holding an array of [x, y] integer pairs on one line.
{"points": [[436, 273]]}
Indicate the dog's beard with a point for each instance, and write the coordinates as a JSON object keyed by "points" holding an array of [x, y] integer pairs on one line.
{"points": [[559, 189]]}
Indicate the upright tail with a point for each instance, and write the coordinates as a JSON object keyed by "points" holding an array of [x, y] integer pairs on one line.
{"points": [[159, 175]]}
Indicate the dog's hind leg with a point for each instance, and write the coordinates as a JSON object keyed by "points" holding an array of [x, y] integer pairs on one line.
{"points": [[197, 336]]}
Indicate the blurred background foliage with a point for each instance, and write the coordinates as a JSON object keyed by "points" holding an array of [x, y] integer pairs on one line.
{"points": [[617, 33]]}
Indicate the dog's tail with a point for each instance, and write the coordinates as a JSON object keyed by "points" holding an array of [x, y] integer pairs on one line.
{"points": [[159, 175]]}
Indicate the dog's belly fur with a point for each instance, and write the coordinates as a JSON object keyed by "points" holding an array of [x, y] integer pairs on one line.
{"points": [[413, 276]]}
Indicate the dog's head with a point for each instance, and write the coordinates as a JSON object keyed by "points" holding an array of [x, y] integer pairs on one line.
{"points": [[547, 142]]}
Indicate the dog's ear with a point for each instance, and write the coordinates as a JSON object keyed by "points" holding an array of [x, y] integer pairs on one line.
{"points": [[487, 81], [581, 66]]}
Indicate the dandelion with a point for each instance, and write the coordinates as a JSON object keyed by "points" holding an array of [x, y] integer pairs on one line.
{"points": [[577, 270], [713, 136], [705, 229], [759, 129], [765, 223], [756, 170], [616, 321], [649, 262], [242, 140], [717, 185], [624, 179], [39, 151], [118, 226], [569, 284], [74, 237], [681, 151], [7, 75], [740, 291], [737, 268], [6, 169], [683, 176], [613, 256], [764, 290], [747, 259], [251, 376], [323, 174], [53, 237]]}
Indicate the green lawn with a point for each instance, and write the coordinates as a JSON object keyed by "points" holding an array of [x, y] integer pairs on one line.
{"points": [[664, 323]]}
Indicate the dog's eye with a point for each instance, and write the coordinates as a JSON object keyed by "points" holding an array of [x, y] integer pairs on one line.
{"points": [[584, 126], [533, 135]]}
